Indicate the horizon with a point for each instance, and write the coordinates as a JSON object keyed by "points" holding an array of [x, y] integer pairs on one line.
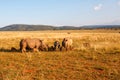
{"points": [[60, 13], [63, 25]]}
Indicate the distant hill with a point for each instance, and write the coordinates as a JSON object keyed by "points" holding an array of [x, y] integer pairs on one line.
{"points": [[101, 27], [24, 27], [67, 28]]}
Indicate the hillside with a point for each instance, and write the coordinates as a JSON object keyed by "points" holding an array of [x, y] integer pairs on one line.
{"points": [[101, 27], [24, 27]]}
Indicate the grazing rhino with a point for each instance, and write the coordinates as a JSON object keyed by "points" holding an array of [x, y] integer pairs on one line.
{"points": [[33, 44], [67, 44], [43, 46]]}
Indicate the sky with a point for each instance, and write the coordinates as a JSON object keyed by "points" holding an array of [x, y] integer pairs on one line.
{"points": [[60, 12]]}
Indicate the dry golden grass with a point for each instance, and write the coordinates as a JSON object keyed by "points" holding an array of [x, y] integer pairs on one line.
{"points": [[100, 60]]}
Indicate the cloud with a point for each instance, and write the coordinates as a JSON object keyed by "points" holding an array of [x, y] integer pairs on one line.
{"points": [[98, 7]]}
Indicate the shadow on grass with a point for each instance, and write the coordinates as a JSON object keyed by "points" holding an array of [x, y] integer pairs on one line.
{"points": [[17, 50], [9, 50]]}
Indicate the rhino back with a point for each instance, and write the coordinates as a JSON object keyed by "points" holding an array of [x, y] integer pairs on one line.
{"points": [[32, 43]]}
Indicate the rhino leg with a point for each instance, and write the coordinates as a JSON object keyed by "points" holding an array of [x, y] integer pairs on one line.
{"points": [[23, 50], [35, 50], [60, 48], [66, 48]]}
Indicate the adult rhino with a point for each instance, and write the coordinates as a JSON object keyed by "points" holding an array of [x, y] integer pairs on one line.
{"points": [[33, 44], [67, 43]]}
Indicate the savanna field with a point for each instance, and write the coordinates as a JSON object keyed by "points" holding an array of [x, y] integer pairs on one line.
{"points": [[99, 60]]}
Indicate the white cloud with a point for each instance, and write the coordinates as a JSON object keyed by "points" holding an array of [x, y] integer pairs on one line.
{"points": [[98, 7]]}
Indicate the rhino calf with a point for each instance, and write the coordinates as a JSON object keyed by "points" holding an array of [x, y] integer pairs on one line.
{"points": [[50, 48], [56, 45]]}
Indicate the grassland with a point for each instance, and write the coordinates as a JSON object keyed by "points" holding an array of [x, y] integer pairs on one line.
{"points": [[99, 61]]}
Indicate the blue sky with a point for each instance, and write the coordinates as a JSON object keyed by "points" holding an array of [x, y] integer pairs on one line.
{"points": [[59, 12]]}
